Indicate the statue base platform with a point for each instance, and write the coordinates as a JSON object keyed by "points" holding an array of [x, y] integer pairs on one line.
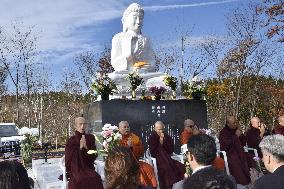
{"points": [[142, 114], [150, 79]]}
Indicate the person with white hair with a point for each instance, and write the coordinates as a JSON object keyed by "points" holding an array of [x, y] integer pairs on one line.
{"points": [[272, 148]]}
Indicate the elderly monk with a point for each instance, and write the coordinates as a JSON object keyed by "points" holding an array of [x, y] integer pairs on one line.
{"points": [[280, 128], [187, 131], [254, 134], [161, 147], [132, 141], [191, 129], [232, 141], [80, 165]]}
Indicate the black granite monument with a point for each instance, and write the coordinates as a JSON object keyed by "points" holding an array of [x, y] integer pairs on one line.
{"points": [[142, 115]]}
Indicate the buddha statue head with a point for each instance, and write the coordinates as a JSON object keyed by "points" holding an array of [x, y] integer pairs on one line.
{"points": [[132, 18]]}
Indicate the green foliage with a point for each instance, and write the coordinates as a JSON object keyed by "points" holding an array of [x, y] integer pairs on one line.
{"points": [[191, 88], [171, 82], [104, 85], [135, 80], [27, 148]]}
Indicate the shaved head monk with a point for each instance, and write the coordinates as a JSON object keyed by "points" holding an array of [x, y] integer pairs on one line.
{"points": [[280, 127], [80, 165], [232, 141], [161, 147], [132, 141]]}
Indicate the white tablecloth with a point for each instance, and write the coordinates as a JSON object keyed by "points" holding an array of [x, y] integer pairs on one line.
{"points": [[100, 168]]}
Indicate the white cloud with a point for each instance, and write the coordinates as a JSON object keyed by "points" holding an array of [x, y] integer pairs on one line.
{"points": [[56, 21], [167, 7], [61, 24]]}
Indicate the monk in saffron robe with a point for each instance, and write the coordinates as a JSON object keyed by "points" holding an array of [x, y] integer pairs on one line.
{"points": [[280, 128], [80, 165], [161, 147], [132, 141], [232, 141], [255, 134], [189, 130]]}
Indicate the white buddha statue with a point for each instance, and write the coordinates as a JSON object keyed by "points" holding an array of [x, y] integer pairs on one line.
{"points": [[131, 51]]}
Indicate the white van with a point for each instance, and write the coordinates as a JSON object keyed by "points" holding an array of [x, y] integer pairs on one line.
{"points": [[9, 139]]}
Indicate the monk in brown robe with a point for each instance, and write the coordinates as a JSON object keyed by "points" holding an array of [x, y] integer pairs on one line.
{"points": [[132, 141], [232, 141], [280, 128], [255, 134], [80, 165], [191, 129], [161, 147]]}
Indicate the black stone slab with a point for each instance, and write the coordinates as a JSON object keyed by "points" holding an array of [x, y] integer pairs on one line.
{"points": [[142, 115]]}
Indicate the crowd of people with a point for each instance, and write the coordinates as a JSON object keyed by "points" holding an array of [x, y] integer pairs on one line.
{"points": [[126, 169]]}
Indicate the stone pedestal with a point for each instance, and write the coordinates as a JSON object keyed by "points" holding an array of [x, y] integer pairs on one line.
{"points": [[142, 115]]}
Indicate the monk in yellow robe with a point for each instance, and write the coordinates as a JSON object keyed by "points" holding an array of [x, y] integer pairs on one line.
{"points": [[191, 129], [129, 139]]}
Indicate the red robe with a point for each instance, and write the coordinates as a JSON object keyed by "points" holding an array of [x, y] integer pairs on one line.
{"points": [[279, 130], [169, 171], [147, 175], [184, 136], [80, 165], [253, 139], [237, 158]]}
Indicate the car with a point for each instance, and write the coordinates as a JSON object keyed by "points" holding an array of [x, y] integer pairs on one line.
{"points": [[9, 140]]}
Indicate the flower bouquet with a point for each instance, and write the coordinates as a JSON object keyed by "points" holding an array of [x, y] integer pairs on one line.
{"points": [[135, 81], [171, 82], [110, 137], [103, 86], [157, 91]]}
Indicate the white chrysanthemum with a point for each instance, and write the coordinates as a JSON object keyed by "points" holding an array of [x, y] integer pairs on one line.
{"points": [[196, 79], [113, 127], [34, 131], [104, 143], [117, 136], [106, 127], [109, 139], [184, 149], [24, 131]]}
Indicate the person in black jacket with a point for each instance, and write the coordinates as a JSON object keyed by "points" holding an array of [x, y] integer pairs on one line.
{"points": [[272, 148], [201, 153]]}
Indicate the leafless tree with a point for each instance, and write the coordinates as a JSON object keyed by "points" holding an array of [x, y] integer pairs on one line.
{"points": [[17, 50]]}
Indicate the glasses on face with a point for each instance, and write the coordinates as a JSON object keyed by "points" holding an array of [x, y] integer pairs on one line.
{"points": [[190, 126]]}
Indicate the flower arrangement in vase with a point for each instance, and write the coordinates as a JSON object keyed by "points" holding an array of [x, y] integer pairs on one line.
{"points": [[103, 86], [171, 82], [194, 89], [157, 91], [135, 81]]}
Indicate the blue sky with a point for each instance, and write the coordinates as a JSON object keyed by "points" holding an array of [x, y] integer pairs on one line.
{"points": [[67, 27]]}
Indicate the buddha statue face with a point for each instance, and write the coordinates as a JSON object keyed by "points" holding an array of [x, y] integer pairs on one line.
{"points": [[134, 22], [133, 18]]}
